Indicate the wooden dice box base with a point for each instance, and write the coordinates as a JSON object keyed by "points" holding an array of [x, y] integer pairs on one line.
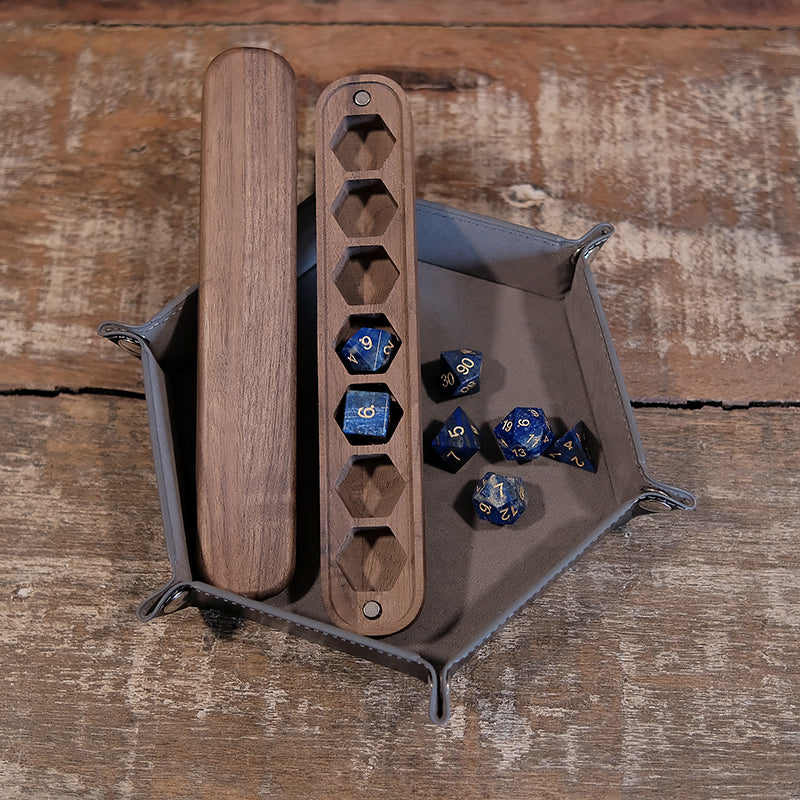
{"points": [[527, 300], [371, 523]]}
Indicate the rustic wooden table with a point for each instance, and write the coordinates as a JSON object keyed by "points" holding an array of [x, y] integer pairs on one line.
{"points": [[665, 662]]}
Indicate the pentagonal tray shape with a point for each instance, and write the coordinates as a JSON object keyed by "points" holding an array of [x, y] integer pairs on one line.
{"points": [[362, 142]]}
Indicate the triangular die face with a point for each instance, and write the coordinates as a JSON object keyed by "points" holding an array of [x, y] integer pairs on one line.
{"points": [[570, 449], [457, 441], [460, 427]]}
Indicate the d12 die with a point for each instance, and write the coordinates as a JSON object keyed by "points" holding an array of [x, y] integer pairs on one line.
{"points": [[499, 499], [457, 441], [366, 414], [460, 372], [369, 350], [524, 434], [571, 449]]}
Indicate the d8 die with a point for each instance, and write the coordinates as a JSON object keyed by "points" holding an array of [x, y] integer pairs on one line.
{"points": [[499, 499], [457, 441], [460, 372], [571, 449], [524, 434], [369, 350], [366, 414]]}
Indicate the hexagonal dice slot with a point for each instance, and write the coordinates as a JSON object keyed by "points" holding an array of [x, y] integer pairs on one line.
{"points": [[372, 559], [364, 208], [362, 142], [365, 275], [370, 486], [368, 413], [367, 343]]}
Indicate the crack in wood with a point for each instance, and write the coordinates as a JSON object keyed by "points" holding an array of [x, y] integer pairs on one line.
{"points": [[636, 403]]}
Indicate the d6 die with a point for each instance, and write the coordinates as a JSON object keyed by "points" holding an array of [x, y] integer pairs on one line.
{"points": [[369, 350], [460, 372], [524, 434], [457, 441], [499, 499], [571, 449], [366, 414]]}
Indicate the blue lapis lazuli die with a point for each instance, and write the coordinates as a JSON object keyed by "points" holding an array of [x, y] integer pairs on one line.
{"points": [[366, 414], [457, 441], [571, 449], [524, 434], [369, 350], [460, 372], [499, 499]]}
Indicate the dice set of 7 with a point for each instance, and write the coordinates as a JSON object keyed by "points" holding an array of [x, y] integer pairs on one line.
{"points": [[523, 435]]}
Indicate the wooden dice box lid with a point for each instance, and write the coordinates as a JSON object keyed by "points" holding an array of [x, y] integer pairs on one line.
{"points": [[527, 299]]}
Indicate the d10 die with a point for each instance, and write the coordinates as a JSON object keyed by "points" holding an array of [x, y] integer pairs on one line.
{"points": [[524, 434], [457, 441], [460, 372], [571, 449], [366, 414], [369, 350], [499, 499]]}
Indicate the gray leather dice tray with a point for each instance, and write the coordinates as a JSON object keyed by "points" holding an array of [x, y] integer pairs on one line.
{"points": [[527, 300]]}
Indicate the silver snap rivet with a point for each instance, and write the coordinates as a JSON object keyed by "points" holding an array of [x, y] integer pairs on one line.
{"points": [[372, 609], [362, 97], [175, 601]]}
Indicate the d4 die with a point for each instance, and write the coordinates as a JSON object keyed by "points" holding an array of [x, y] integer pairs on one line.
{"points": [[571, 449]]}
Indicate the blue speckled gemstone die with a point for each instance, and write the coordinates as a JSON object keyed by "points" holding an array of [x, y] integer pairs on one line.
{"points": [[460, 372], [457, 441], [499, 499], [366, 414], [524, 434], [369, 350], [571, 449]]}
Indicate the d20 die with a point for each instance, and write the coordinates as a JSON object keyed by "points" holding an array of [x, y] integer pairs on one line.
{"points": [[369, 350], [571, 449], [457, 441], [499, 499], [366, 414], [460, 372], [524, 434]]}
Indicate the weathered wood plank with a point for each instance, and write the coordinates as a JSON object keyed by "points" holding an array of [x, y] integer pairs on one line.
{"points": [[666, 658], [443, 12], [686, 140]]}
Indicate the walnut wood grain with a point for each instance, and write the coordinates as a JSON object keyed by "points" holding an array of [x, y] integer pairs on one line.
{"points": [[371, 525], [662, 664], [246, 361]]}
